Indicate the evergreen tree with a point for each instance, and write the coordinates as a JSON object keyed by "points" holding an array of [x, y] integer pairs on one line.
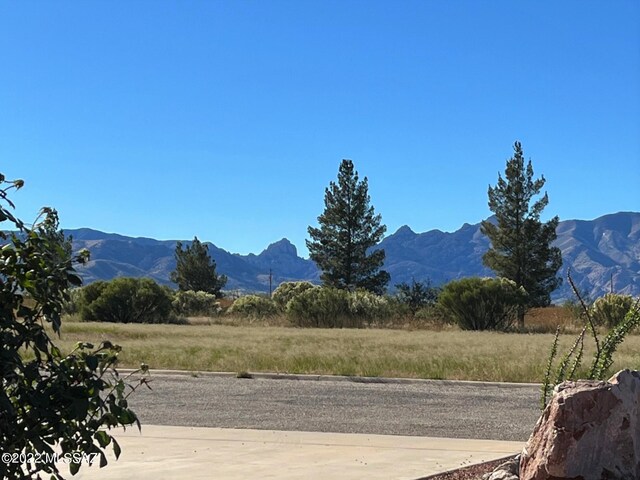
{"points": [[520, 243], [196, 270], [349, 229]]}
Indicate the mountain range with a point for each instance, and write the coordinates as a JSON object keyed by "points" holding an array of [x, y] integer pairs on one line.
{"points": [[603, 254]]}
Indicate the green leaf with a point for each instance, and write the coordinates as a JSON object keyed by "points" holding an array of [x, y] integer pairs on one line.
{"points": [[116, 449], [92, 362], [74, 467], [103, 459], [126, 417], [102, 437]]}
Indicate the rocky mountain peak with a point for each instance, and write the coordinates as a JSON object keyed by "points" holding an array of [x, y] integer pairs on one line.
{"points": [[405, 231], [282, 247]]}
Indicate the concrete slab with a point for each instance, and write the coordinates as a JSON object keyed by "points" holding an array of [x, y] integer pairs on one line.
{"points": [[163, 452]]}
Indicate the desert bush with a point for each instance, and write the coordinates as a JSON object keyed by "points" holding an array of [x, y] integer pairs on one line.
{"points": [[253, 306], [127, 300], [482, 303], [288, 290], [321, 307], [367, 307], [611, 309], [190, 304]]}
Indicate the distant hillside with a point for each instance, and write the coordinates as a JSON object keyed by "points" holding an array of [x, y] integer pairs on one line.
{"points": [[595, 250], [115, 255]]}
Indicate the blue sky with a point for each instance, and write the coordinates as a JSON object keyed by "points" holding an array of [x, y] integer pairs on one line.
{"points": [[227, 119]]}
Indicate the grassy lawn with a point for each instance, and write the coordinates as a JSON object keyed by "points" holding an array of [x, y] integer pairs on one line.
{"points": [[444, 354]]}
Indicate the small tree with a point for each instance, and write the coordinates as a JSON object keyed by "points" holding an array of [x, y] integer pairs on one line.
{"points": [[417, 294], [482, 303], [128, 300], [196, 270], [49, 399], [343, 246], [520, 243]]}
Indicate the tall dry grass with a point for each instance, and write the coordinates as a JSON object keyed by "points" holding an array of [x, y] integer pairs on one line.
{"points": [[444, 354]]}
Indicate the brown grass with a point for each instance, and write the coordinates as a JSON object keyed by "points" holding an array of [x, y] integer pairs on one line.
{"points": [[445, 354]]}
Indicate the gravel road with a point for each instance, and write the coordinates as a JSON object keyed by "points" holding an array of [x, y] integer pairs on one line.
{"points": [[438, 409]]}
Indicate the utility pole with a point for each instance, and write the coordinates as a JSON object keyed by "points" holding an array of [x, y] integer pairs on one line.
{"points": [[611, 284], [270, 280]]}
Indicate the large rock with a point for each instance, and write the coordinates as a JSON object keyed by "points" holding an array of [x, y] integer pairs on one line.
{"points": [[505, 471], [589, 431]]}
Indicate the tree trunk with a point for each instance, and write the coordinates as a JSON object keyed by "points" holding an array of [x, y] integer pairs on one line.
{"points": [[521, 312]]}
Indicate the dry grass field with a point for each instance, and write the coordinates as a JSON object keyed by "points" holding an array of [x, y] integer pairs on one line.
{"points": [[441, 353]]}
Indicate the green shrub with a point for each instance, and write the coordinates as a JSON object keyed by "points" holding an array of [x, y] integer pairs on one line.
{"points": [[367, 307], [482, 303], [127, 300], [321, 307], [611, 309], [288, 290], [253, 306], [190, 304]]}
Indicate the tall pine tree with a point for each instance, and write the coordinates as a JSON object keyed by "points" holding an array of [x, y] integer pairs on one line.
{"points": [[520, 243], [349, 229], [196, 270]]}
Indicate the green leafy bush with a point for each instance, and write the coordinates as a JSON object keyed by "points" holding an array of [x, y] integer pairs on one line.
{"points": [[189, 304], [49, 401], [482, 303], [611, 309], [127, 300], [324, 307], [288, 290], [253, 306]]}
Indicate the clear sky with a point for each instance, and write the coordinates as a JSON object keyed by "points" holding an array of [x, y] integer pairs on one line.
{"points": [[227, 119]]}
